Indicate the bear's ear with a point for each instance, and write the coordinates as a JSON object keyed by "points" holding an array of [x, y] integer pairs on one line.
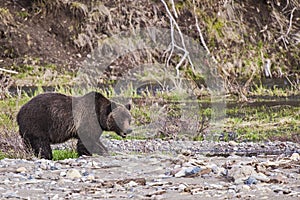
{"points": [[99, 96], [128, 106], [113, 105]]}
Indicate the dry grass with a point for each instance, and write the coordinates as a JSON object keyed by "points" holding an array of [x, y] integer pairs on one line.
{"points": [[11, 145], [240, 35]]}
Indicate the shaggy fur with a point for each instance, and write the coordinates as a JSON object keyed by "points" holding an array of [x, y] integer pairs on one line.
{"points": [[52, 118]]}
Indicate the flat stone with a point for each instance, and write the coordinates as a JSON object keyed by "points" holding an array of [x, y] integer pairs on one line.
{"points": [[158, 192], [261, 177]]}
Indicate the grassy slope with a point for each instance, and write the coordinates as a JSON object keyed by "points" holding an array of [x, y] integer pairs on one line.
{"points": [[232, 33]]}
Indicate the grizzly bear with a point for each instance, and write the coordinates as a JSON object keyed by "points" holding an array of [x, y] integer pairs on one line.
{"points": [[52, 118]]}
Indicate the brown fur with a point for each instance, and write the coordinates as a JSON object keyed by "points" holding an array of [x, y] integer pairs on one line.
{"points": [[52, 118]]}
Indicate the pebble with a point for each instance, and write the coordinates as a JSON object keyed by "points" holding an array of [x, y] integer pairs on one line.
{"points": [[192, 171], [251, 180], [295, 157], [182, 187], [239, 173], [90, 177], [246, 187], [21, 170], [73, 174], [232, 143], [131, 184], [261, 177]]}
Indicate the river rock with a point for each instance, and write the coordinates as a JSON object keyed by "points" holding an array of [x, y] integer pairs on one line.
{"points": [[131, 184], [123, 175], [73, 174], [295, 157], [250, 180], [21, 170], [261, 177], [240, 173]]}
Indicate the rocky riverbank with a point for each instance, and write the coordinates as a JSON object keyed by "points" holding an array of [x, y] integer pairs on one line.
{"points": [[182, 173]]}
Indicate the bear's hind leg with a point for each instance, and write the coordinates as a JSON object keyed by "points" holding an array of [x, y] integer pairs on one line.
{"points": [[45, 150], [41, 147]]}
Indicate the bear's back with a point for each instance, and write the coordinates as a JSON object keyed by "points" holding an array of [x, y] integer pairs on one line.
{"points": [[39, 110]]}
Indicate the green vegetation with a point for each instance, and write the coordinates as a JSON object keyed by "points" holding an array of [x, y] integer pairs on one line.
{"points": [[2, 156], [37, 75], [77, 7], [247, 122], [263, 122], [8, 110], [23, 14], [64, 154], [274, 91], [5, 16]]}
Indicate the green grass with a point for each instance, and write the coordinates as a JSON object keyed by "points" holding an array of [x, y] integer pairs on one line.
{"points": [[260, 90], [263, 122], [111, 135], [8, 111], [64, 154], [2, 155], [258, 123]]}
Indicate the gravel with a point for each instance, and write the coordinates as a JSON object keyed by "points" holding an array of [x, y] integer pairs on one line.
{"points": [[157, 169]]}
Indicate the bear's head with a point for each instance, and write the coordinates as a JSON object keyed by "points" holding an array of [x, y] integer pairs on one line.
{"points": [[119, 119], [111, 116]]}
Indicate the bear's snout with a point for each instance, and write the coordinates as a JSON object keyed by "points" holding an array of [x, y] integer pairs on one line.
{"points": [[124, 134], [129, 131]]}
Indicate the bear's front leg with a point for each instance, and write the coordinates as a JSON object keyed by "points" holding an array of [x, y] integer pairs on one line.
{"points": [[93, 147], [89, 133], [81, 150], [100, 149]]}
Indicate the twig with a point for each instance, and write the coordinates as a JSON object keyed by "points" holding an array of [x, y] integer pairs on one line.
{"points": [[291, 22], [201, 36], [173, 8], [292, 84], [284, 37], [172, 43], [287, 4], [8, 71]]}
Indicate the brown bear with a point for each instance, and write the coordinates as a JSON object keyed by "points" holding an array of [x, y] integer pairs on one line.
{"points": [[52, 118]]}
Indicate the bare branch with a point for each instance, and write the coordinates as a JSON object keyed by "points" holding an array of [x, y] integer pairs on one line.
{"points": [[184, 49], [291, 22], [173, 8], [287, 4], [8, 71], [172, 43], [284, 36], [200, 34]]}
